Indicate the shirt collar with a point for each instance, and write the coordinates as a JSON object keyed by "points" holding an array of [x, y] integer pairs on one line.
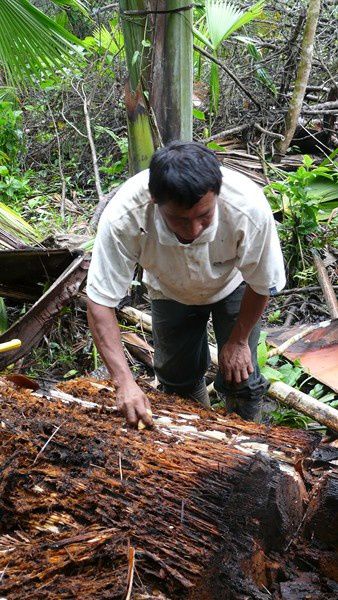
{"points": [[168, 238]]}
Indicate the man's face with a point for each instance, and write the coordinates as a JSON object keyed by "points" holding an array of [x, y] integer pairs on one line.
{"points": [[188, 223]]}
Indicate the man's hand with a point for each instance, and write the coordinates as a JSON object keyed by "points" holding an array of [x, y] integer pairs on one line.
{"points": [[235, 361], [134, 404]]}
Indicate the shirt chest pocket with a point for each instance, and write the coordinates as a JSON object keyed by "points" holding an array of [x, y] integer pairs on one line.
{"points": [[221, 260]]}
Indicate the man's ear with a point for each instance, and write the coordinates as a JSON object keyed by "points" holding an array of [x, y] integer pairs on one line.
{"points": [[153, 200]]}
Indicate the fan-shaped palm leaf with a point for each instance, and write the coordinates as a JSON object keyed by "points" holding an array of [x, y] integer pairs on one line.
{"points": [[223, 18], [31, 42], [109, 41]]}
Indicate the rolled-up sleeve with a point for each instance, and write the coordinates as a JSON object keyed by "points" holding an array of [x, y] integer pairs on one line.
{"points": [[114, 258], [260, 258]]}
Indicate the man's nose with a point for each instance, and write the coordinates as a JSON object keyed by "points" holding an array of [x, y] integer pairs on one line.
{"points": [[195, 228]]}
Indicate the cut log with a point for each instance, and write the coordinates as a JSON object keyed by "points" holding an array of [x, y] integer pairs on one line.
{"points": [[137, 317], [208, 518], [327, 415]]}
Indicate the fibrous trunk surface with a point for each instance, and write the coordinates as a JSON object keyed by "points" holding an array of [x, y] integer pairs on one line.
{"points": [[203, 506]]}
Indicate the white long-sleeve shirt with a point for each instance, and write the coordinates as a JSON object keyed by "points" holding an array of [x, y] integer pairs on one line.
{"points": [[240, 244]]}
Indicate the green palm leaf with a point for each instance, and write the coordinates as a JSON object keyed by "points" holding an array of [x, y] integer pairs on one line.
{"points": [[31, 43], [13, 224], [3, 317], [109, 41], [223, 18], [77, 4]]}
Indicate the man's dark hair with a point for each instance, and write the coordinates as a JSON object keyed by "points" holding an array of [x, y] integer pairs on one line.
{"points": [[183, 172]]}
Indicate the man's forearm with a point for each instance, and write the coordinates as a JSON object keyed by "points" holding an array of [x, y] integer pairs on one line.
{"points": [[252, 308], [105, 330]]}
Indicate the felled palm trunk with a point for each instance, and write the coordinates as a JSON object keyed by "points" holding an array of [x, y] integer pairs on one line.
{"points": [[201, 506]]}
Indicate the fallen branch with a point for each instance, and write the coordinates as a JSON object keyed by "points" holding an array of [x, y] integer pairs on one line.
{"points": [[227, 132], [277, 136], [137, 317], [323, 105], [319, 411], [325, 284], [101, 205], [302, 290], [229, 73], [138, 347]]}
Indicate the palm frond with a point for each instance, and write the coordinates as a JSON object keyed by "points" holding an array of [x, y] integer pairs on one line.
{"points": [[31, 43], [109, 41], [77, 4], [223, 18], [15, 228]]}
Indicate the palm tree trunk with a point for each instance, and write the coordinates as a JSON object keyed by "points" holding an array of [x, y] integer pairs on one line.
{"points": [[302, 77], [134, 26], [172, 71]]}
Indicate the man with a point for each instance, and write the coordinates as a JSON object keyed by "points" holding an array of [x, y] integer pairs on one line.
{"points": [[206, 237]]}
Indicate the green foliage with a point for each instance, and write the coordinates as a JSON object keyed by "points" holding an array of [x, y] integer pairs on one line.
{"points": [[31, 43], [224, 18], [13, 184], [319, 393], [114, 168], [261, 73], [289, 418], [221, 20], [278, 369], [106, 41], [76, 4], [274, 317], [10, 132], [3, 317], [303, 198], [288, 372], [14, 224]]}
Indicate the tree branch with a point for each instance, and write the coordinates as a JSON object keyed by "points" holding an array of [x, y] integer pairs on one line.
{"points": [[228, 72]]}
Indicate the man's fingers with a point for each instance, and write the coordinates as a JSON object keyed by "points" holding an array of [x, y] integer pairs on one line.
{"points": [[130, 413], [244, 374], [147, 403], [146, 417], [227, 373], [237, 376]]}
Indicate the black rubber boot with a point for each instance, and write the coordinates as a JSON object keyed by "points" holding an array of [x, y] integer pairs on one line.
{"points": [[249, 410], [199, 393]]}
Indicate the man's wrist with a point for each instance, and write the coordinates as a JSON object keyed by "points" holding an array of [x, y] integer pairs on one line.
{"points": [[239, 335], [124, 380], [243, 341]]}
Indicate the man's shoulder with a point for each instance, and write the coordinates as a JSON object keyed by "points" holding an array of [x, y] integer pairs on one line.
{"points": [[240, 195], [131, 200]]}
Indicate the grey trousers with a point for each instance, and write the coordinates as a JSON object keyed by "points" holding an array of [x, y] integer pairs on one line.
{"points": [[182, 357]]}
